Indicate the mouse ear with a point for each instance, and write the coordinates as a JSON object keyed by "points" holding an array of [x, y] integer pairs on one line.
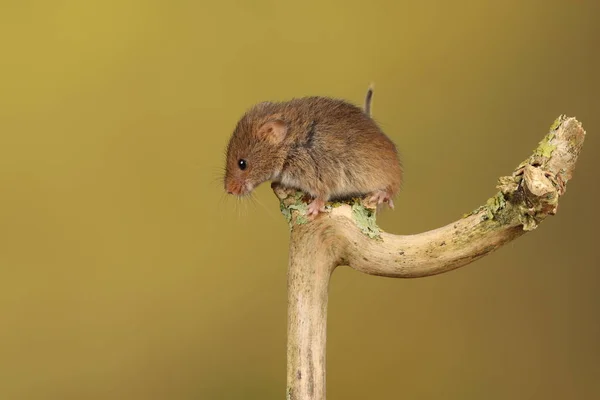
{"points": [[273, 130]]}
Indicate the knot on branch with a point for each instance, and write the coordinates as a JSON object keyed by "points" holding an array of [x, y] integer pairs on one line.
{"points": [[537, 183]]}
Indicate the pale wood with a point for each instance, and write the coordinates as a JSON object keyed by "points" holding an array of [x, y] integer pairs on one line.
{"points": [[318, 246]]}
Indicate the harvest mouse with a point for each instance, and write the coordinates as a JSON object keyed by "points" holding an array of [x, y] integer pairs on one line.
{"points": [[325, 147]]}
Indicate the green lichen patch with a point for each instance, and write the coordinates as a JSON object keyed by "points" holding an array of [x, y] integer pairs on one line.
{"points": [[545, 147], [558, 122], [334, 204], [295, 202], [491, 208], [303, 211], [475, 211], [495, 204], [287, 214], [527, 218], [365, 219]]}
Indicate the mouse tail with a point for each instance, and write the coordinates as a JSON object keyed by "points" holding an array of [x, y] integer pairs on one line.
{"points": [[369, 99]]}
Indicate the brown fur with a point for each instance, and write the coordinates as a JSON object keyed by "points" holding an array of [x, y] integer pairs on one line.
{"points": [[325, 147]]}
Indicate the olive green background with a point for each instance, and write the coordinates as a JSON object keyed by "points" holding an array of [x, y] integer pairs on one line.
{"points": [[126, 273]]}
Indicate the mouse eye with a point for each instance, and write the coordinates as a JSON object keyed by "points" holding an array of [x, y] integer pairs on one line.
{"points": [[242, 164]]}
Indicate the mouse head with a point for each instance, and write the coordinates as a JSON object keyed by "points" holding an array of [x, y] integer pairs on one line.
{"points": [[255, 153]]}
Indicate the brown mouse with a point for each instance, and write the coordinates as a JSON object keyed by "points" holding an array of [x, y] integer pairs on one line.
{"points": [[328, 148]]}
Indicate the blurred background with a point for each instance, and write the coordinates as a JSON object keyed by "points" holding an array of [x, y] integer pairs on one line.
{"points": [[126, 273]]}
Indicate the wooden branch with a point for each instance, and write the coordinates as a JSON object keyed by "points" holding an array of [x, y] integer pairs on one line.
{"points": [[348, 235]]}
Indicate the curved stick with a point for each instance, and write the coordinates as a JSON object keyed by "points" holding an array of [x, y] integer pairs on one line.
{"points": [[348, 235]]}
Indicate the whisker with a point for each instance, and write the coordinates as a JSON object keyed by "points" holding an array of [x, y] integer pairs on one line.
{"points": [[255, 198], [217, 180], [223, 198]]}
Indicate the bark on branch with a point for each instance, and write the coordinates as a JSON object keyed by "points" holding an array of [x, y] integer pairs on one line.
{"points": [[348, 235]]}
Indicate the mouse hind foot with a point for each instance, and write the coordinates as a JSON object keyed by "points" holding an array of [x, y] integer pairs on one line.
{"points": [[380, 197], [316, 206]]}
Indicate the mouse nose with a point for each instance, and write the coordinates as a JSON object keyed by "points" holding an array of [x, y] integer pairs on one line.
{"points": [[231, 188]]}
